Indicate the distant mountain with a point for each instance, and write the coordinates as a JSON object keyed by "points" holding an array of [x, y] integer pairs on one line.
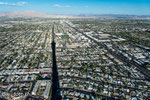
{"points": [[107, 16], [116, 16], [33, 14]]}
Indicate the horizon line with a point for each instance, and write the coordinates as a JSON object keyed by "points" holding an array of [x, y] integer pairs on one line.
{"points": [[82, 14]]}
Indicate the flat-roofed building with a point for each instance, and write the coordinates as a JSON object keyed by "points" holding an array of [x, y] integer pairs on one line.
{"points": [[36, 88], [47, 90]]}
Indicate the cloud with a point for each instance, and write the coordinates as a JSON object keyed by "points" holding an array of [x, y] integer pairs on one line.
{"points": [[3, 3], [59, 6], [13, 4]]}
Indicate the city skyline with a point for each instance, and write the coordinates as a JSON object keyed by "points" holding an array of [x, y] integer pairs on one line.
{"points": [[77, 7]]}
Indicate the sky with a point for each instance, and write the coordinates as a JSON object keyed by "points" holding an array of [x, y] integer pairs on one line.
{"points": [[77, 7]]}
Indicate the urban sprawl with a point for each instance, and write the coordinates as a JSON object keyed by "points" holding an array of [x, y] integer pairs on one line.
{"points": [[96, 59]]}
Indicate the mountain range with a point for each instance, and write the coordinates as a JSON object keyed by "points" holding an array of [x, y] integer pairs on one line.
{"points": [[33, 14], [109, 16]]}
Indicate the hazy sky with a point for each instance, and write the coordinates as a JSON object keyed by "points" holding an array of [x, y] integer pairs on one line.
{"points": [[137, 7]]}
